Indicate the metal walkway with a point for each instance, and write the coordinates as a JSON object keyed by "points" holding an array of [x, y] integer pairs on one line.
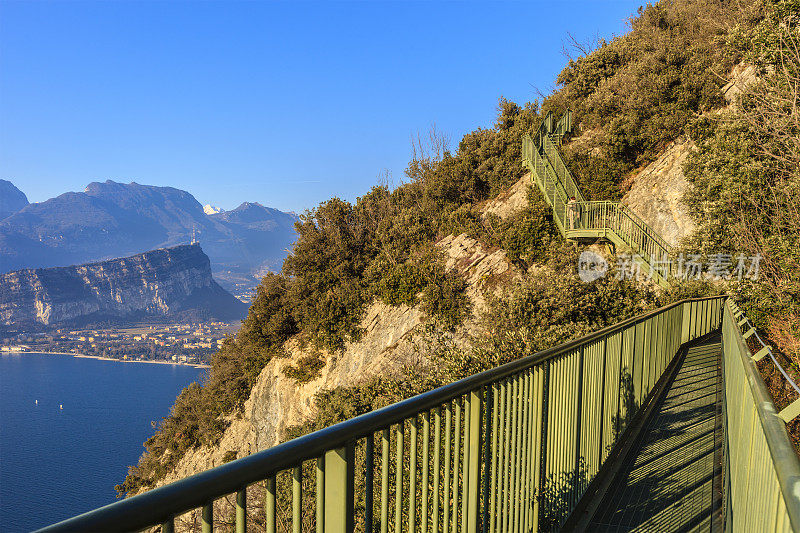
{"points": [[673, 481]]}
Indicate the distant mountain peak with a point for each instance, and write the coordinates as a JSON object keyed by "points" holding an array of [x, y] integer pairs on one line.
{"points": [[11, 199], [209, 209]]}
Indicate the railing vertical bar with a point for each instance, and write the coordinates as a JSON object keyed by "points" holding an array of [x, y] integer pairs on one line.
{"points": [[241, 511], [581, 363], [369, 489], [647, 353], [543, 444], [412, 474], [524, 452], [207, 518], [501, 450], [519, 423], [398, 479], [297, 499], [529, 450], [488, 456], [602, 411], [385, 444], [426, 437], [456, 465], [269, 506], [339, 488], [507, 455], [465, 463], [476, 398], [492, 479], [320, 507], [448, 421], [437, 438]]}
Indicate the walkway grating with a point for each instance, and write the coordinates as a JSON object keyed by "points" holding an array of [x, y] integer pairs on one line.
{"points": [[674, 478]]}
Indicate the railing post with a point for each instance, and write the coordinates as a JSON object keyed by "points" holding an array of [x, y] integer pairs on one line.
{"points": [[207, 518], [269, 506], [474, 467], [241, 511], [339, 489]]}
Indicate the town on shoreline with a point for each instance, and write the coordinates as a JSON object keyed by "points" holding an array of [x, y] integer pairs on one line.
{"points": [[190, 344]]}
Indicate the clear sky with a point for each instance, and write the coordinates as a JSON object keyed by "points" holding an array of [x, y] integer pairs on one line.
{"points": [[283, 103]]}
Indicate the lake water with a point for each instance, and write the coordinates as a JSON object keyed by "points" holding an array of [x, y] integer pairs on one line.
{"points": [[56, 463]]}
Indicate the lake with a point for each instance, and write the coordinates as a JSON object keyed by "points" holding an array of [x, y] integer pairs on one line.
{"points": [[56, 463]]}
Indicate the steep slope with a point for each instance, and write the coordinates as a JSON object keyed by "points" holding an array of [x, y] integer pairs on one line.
{"points": [[167, 282], [114, 219], [11, 199], [393, 340]]}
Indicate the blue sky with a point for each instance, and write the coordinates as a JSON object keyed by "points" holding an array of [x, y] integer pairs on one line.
{"points": [[287, 104]]}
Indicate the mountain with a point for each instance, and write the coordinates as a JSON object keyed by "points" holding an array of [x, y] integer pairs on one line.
{"points": [[209, 209], [11, 199], [115, 220], [171, 282]]}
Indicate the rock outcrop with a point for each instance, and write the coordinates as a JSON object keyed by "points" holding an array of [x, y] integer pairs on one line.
{"points": [[510, 201], [166, 282], [656, 194], [740, 77]]}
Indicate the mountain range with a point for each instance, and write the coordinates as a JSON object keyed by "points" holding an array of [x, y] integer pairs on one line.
{"points": [[113, 219]]}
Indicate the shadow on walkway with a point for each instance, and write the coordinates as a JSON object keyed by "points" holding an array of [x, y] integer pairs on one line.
{"points": [[673, 477]]}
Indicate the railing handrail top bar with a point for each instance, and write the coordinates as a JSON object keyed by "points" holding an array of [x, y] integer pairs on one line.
{"points": [[784, 458], [195, 491]]}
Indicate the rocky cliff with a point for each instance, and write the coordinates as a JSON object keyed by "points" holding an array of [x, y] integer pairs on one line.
{"points": [[657, 191], [165, 282]]}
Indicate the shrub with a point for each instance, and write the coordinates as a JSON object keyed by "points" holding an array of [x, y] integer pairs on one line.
{"points": [[307, 368]]}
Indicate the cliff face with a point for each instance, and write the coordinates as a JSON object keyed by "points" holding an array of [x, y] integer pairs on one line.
{"points": [[657, 192], [160, 283]]}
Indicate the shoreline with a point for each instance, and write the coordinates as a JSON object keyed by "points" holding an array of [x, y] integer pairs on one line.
{"points": [[101, 358]]}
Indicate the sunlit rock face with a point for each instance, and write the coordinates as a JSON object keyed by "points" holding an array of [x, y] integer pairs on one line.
{"points": [[656, 194], [163, 282]]}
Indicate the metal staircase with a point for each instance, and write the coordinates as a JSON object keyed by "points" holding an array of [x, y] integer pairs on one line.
{"points": [[610, 221]]}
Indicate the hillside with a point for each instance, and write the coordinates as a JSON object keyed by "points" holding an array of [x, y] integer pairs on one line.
{"points": [[172, 282], [461, 268], [112, 219]]}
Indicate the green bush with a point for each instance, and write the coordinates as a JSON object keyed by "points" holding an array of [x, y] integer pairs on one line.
{"points": [[307, 368]]}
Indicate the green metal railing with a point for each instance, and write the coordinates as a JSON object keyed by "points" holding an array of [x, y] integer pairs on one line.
{"points": [[610, 220], [509, 449], [762, 470]]}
